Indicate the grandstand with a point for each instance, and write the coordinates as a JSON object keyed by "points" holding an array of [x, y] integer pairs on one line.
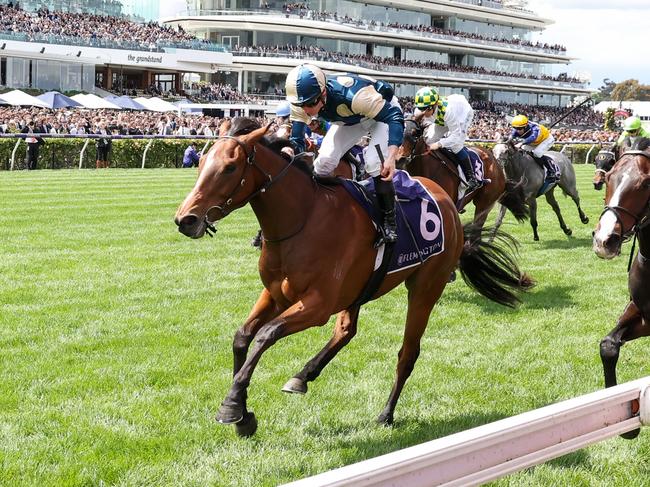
{"points": [[483, 49]]}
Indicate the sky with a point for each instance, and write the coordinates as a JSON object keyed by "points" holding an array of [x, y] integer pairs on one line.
{"points": [[611, 38]]}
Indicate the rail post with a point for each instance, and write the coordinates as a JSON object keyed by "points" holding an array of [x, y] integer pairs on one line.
{"points": [[81, 154], [144, 154], [589, 153], [13, 154]]}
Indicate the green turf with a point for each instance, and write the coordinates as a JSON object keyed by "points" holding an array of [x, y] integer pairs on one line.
{"points": [[116, 334]]}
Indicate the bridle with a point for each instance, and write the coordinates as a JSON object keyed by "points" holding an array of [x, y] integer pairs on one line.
{"points": [[226, 206], [604, 153], [418, 133], [640, 221]]}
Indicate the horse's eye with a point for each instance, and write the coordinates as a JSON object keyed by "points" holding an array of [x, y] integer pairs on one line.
{"points": [[230, 168]]}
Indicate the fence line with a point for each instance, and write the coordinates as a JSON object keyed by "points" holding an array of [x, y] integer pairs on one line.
{"points": [[496, 449], [152, 137]]}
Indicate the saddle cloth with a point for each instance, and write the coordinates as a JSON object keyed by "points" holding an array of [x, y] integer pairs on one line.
{"points": [[550, 178], [419, 221], [479, 172]]}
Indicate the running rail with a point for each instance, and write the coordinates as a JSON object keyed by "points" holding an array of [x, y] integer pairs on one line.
{"points": [[496, 449]]}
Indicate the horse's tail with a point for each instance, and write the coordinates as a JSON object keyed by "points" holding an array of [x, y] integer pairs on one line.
{"points": [[514, 198], [491, 267]]}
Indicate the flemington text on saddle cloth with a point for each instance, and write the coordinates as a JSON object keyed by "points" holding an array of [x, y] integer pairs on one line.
{"points": [[421, 235]]}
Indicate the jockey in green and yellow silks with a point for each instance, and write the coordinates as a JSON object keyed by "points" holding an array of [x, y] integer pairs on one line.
{"points": [[632, 131]]}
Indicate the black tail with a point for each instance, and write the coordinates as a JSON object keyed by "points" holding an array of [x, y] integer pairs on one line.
{"points": [[514, 199], [491, 268]]}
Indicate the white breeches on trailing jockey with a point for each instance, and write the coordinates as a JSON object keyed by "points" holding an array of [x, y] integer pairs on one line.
{"points": [[543, 146], [341, 138]]}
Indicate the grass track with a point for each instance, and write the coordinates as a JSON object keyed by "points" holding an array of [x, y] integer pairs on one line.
{"points": [[116, 332]]}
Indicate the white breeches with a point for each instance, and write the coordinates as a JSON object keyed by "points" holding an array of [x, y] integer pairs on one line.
{"points": [[452, 140], [538, 150], [341, 138]]}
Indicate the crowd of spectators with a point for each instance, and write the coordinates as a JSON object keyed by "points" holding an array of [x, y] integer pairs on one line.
{"points": [[92, 29], [218, 92], [491, 121], [377, 62], [303, 11]]}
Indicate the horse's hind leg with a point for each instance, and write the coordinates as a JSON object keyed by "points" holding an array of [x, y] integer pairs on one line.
{"points": [[576, 199], [532, 204], [550, 198], [421, 300], [344, 331], [630, 326]]}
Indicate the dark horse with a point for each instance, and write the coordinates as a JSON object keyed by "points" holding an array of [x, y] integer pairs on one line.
{"points": [[604, 161], [415, 157], [318, 256], [626, 214], [519, 166]]}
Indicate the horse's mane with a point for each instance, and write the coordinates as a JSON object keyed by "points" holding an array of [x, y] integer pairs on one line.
{"points": [[244, 125], [641, 144]]}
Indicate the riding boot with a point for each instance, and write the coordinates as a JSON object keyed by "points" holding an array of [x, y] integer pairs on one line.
{"points": [[544, 163], [386, 199], [257, 240], [468, 170]]}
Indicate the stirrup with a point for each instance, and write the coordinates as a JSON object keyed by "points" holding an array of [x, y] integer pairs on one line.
{"points": [[385, 236]]}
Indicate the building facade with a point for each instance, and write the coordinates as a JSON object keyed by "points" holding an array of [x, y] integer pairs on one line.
{"points": [[481, 48]]}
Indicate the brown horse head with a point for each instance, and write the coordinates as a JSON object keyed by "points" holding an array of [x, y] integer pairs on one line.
{"points": [[228, 175], [627, 200]]}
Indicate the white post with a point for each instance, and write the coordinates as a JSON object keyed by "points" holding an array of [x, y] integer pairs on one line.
{"points": [[589, 153], [144, 154], [13, 154], [83, 151]]}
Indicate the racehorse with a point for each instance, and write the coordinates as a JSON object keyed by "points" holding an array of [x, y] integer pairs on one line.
{"points": [[626, 214], [604, 161], [520, 166], [415, 157], [318, 257]]}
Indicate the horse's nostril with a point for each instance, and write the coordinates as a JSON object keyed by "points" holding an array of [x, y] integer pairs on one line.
{"points": [[187, 223]]}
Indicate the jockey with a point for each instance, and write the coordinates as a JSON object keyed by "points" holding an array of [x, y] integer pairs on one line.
{"points": [[632, 130], [356, 106], [536, 139], [446, 122]]}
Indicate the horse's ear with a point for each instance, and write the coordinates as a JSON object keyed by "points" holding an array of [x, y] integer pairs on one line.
{"points": [[225, 127], [256, 135]]}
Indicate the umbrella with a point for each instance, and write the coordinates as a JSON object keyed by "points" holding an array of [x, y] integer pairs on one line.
{"points": [[126, 102], [94, 101], [20, 98], [54, 99], [157, 104]]}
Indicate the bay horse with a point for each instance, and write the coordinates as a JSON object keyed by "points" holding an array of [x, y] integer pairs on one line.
{"points": [[520, 166], [627, 214], [604, 161], [415, 157], [318, 256]]}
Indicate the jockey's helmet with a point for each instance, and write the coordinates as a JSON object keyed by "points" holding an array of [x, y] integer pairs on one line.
{"points": [[304, 84], [283, 109], [631, 124], [425, 98], [519, 122]]}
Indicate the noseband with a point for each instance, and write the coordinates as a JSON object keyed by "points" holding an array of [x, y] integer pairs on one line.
{"points": [[224, 208]]}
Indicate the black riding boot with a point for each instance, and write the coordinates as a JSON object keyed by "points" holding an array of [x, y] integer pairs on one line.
{"points": [[257, 240], [386, 199], [545, 163], [468, 170]]}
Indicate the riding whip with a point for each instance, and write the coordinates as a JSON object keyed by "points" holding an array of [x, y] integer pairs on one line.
{"points": [[589, 99]]}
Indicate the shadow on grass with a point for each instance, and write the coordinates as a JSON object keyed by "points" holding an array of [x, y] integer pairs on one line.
{"points": [[545, 297], [566, 243]]}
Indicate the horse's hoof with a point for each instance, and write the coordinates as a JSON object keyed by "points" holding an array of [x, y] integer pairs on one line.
{"points": [[452, 276], [295, 386], [385, 419], [568, 232], [536, 238], [630, 435], [585, 220], [230, 414], [247, 426]]}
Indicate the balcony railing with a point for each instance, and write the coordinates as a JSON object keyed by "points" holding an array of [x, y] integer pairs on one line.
{"points": [[332, 57], [371, 26], [98, 42]]}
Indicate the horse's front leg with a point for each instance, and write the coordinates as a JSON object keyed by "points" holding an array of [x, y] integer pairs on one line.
{"points": [[532, 204], [344, 331], [630, 326], [300, 316], [264, 310]]}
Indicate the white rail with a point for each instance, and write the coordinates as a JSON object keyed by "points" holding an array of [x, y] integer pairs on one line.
{"points": [[491, 451]]}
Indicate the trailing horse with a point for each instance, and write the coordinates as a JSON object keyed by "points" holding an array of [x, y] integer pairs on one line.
{"points": [[604, 161], [520, 166], [318, 256], [415, 157], [627, 215]]}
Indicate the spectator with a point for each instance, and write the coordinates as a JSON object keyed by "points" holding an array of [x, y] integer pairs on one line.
{"points": [[191, 157], [33, 144], [103, 146]]}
